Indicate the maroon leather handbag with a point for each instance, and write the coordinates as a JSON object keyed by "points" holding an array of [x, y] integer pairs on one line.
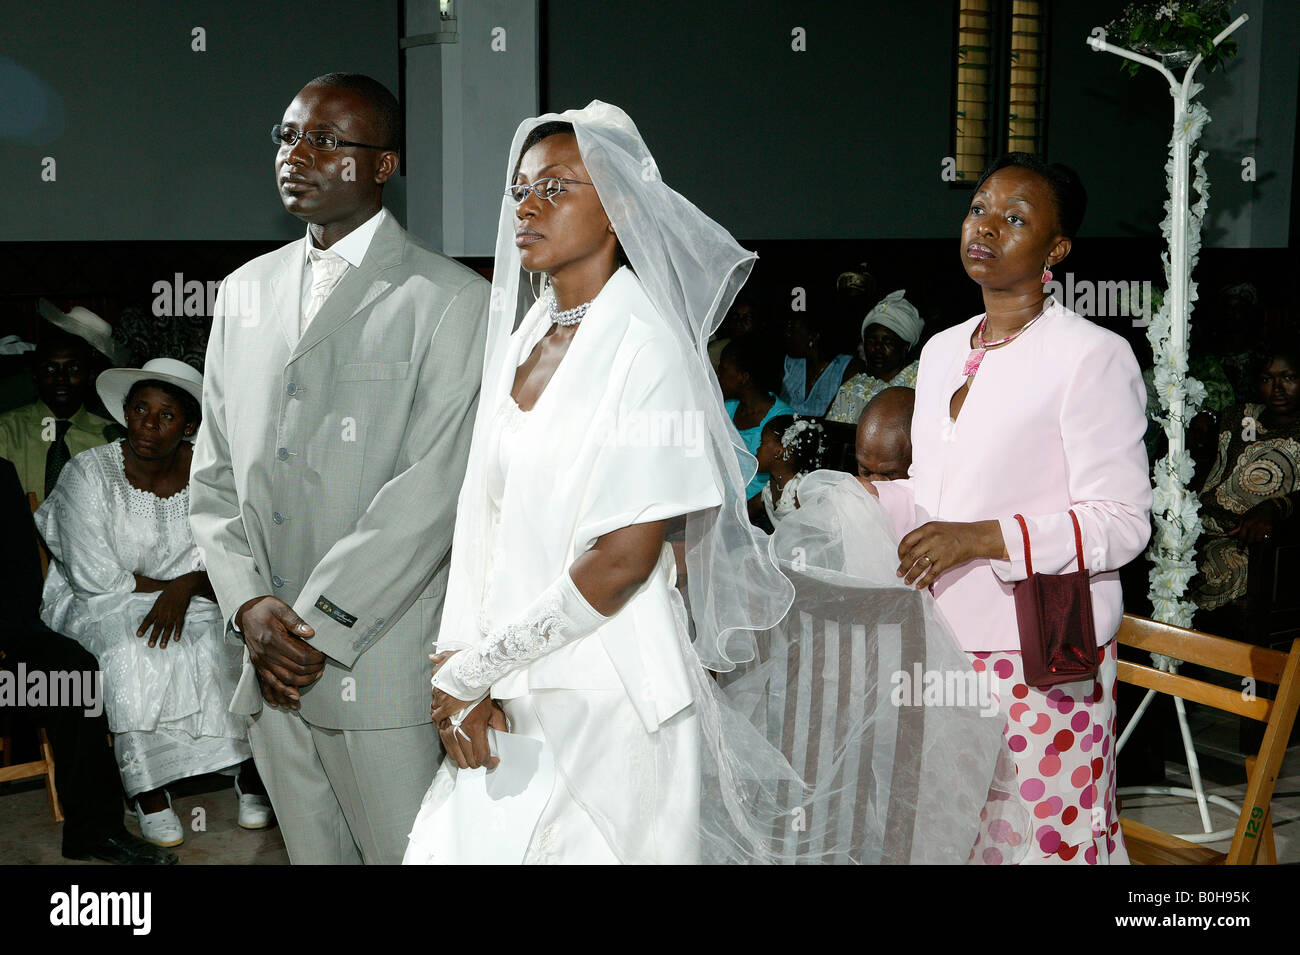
{"points": [[1058, 641]]}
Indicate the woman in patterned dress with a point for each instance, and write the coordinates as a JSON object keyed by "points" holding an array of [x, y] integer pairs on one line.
{"points": [[1253, 486]]}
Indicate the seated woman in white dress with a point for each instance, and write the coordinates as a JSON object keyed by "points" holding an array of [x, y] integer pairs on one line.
{"points": [[128, 584]]}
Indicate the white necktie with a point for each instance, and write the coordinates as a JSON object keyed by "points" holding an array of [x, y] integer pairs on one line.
{"points": [[327, 267]]}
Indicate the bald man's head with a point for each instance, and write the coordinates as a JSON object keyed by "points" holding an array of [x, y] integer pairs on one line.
{"points": [[884, 444]]}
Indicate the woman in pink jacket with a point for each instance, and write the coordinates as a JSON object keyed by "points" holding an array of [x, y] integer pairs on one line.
{"points": [[1029, 409]]}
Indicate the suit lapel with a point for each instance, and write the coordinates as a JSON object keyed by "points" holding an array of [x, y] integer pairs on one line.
{"points": [[286, 291], [358, 287]]}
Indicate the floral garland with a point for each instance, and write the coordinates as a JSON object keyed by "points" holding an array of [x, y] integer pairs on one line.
{"points": [[1175, 508]]}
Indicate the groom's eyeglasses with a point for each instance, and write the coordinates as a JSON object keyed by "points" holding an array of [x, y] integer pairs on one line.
{"points": [[547, 189], [321, 139]]}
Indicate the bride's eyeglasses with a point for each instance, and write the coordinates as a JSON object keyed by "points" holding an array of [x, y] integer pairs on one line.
{"points": [[547, 189]]}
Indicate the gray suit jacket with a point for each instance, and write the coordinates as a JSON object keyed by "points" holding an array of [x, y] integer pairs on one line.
{"points": [[326, 470]]}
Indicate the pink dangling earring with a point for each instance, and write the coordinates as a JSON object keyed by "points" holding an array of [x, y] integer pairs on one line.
{"points": [[1047, 275]]}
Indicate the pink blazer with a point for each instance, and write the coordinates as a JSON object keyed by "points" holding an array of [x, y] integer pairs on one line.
{"points": [[1053, 421]]}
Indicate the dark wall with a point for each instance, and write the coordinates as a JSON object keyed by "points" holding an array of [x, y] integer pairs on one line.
{"points": [[151, 139], [819, 160], [846, 139], [843, 140]]}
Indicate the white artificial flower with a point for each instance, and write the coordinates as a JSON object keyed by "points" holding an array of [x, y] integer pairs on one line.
{"points": [[1158, 329], [1171, 580], [1163, 608], [1166, 384], [1165, 499], [1189, 515], [1190, 122], [1184, 610]]}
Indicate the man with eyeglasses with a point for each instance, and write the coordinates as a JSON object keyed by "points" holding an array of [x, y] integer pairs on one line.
{"points": [[41, 437], [340, 389]]}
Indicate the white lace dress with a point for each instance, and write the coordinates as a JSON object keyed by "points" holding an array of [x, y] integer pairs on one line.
{"points": [[167, 708]]}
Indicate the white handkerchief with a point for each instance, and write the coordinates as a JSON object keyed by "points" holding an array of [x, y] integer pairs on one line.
{"points": [[480, 816]]}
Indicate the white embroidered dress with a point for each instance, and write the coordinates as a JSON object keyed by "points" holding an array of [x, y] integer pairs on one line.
{"points": [[167, 708]]}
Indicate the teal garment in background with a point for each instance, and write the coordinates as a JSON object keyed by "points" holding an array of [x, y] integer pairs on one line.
{"points": [[753, 437]]}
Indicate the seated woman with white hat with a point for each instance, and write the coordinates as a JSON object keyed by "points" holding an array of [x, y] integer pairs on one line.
{"points": [[127, 582]]}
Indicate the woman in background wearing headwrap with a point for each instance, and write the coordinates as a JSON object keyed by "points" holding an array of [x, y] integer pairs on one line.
{"points": [[890, 332]]}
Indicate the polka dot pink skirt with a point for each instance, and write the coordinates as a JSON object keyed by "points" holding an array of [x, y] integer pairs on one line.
{"points": [[1053, 795]]}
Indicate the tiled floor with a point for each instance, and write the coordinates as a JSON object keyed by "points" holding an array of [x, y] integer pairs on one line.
{"points": [[1223, 773], [207, 808], [205, 804]]}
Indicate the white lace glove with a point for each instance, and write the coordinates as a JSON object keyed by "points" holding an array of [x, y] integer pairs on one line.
{"points": [[559, 616]]}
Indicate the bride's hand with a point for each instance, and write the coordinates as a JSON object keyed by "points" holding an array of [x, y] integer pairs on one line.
{"points": [[468, 743]]}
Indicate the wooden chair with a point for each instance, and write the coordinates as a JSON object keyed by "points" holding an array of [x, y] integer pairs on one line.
{"points": [[43, 767], [1252, 841], [37, 768], [1272, 615]]}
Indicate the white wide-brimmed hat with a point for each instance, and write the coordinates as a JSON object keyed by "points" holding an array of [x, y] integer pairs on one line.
{"points": [[86, 325], [114, 384]]}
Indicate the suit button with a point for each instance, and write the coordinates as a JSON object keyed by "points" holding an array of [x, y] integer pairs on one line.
{"points": [[277, 517], [282, 454], [277, 580], [292, 388]]}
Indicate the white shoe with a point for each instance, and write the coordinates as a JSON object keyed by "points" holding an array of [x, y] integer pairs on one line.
{"points": [[161, 828], [254, 811]]}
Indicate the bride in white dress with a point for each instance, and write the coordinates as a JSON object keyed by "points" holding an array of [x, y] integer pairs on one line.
{"points": [[598, 425]]}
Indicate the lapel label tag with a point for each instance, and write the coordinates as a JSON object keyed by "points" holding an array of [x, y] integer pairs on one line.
{"points": [[328, 608]]}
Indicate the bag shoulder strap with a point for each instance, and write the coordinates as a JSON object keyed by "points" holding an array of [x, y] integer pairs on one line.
{"points": [[1024, 530], [1078, 538], [1078, 542]]}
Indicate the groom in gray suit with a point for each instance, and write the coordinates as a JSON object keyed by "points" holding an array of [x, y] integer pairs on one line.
{"points": [[339, 396]]}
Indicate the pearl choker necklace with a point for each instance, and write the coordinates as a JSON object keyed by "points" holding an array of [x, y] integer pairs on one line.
{"points": [[570, 316]]}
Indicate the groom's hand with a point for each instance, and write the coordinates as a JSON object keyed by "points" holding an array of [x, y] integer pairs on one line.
{"points": [[471, 750], [276, 641]]}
